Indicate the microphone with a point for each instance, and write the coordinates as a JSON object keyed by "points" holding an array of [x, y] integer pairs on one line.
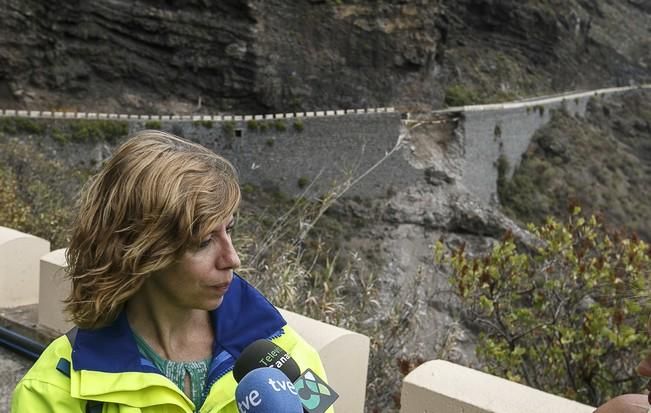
{"points": [[267, 390], [314, 393], [264, 353]]}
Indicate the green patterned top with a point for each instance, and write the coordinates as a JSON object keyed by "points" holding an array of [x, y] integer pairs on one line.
{"points": [[177, 370]]}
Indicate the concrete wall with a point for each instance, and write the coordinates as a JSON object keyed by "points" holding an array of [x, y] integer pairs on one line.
{"points": [[442, 387], [334, 146], [491, 131], [283, 151], [19, 267], [328, 150]]}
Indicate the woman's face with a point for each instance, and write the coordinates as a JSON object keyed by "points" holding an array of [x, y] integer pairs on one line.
{"points": [[201, 277]]}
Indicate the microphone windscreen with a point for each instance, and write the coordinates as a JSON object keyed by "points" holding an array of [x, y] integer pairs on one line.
{"points": [[267, 390], [264, 353]]}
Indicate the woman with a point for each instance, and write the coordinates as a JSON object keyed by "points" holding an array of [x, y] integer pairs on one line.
{"points": [[632, 403], [161, 314]]}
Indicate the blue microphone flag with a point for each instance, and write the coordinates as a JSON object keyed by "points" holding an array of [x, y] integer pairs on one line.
{"points": [[267, 390]]}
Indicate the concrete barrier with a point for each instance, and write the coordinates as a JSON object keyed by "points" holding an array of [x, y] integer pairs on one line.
{"points": [[19, 267], [345, 357], [54, 288], [443, 387]]}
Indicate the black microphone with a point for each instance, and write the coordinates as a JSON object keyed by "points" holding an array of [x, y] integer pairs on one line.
{"points": [[264, 353], [315, 394]]}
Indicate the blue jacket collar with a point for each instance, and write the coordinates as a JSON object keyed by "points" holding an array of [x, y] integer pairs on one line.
{"points": [[244, 316]]}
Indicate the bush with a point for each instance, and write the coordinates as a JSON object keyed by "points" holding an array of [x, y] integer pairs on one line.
{"points": [[497, 131], [298, 125], [22, 125], [280, 126], [302, 182], [568, 316], [84, 130], [59, 136], [153, 124], [228, 127], [203, 123], [37, 191], [459, 95]]}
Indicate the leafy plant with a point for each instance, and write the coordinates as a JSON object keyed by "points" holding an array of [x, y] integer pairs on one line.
{"points": [[459, 95], [228, 127], [84, 130], [280, 126], [567, 316], [22, 125], [203, 123], [302, 182], [152, 124], [36, 191]]}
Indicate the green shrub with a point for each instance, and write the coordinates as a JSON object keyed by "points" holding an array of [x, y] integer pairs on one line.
{"points": [[252, 125], [248, 188], [153, 124], [567, 316], [27, 125], [459, 95], [203, 123], [36, 191], [22, 125], [59, 136], [228, 128], [298, 125], [280, 126], [270, 142], [497, 131], [302, 182], [87, 130]]}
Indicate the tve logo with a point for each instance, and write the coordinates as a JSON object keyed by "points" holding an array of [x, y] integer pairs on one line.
{"points": [[283, 385], [267, 390], [250, 400]]}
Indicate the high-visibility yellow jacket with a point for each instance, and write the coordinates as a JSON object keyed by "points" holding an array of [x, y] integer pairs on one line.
{"points": [[103, 371]]}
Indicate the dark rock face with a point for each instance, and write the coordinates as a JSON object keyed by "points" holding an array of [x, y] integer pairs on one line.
{"points": [[107, 56], [183, 56]]}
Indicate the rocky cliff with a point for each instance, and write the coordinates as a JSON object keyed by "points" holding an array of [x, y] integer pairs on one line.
{"points": [[185, 56]]}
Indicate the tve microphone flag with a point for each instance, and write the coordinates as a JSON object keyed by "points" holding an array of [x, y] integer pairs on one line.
{"points": [[267, 390], [316, 396]]}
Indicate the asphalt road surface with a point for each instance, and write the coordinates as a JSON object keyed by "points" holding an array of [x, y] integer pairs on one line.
{"points": [[12, 368]]}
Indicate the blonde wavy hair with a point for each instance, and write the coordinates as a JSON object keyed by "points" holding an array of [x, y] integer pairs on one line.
{"points": [[155, 198]]}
